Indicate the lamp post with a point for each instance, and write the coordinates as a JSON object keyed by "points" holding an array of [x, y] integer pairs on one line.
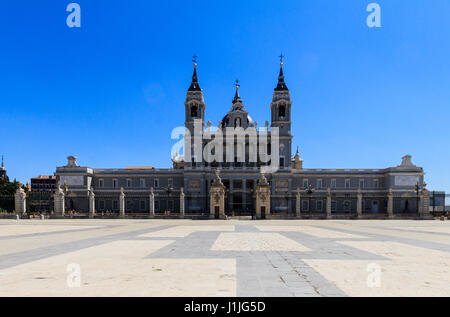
{"points": [[168, 190], [310, 191], [416, 189]]}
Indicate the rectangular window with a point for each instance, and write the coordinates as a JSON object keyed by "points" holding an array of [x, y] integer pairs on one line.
{"points": [[319, 205], [281, 162], [115, 205], [115, 183], [361, 183], [305, 205], [142, 183], [156, 183], [333, 183], [101, 205], [170, 205], [156, 205], [142, 205], [347, 183], [305, 183], [375, 183], [170, 182], [319, 183], [128, 183], [101, 183]]}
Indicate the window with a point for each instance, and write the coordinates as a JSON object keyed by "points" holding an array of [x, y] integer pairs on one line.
{"points": [[101, 205], [375, 183], [281, 161], [194, 111], [142, 183], [170, 205], [156, 205], [128, 182], [130, 205], [333, 183], [282, 112], [305, 205], [101, 183], [319, 205], [142, 204], [170, 182], [305, 183], [156, 183], [319, 183], [361, 183], [347, 183], [115, 205], [115, 183]]}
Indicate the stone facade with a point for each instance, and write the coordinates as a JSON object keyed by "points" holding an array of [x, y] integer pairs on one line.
{"points": [[187, 188]]}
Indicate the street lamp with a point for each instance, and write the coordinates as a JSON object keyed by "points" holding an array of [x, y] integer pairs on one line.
{"points": [[416, 189], [310, 191], [168, 190]]}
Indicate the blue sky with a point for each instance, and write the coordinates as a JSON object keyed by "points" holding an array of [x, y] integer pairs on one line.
{"points": [[111, 91]]}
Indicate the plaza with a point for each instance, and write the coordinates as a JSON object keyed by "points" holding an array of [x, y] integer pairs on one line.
{"points": [[224, 258]]}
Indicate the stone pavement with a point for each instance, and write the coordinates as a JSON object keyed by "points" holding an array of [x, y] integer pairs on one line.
{"points": [[224, 258]]}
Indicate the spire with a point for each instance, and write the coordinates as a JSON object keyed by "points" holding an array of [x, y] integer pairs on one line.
{"points": [[3, 164], [194, 85], [237, 98], [281, 86]]}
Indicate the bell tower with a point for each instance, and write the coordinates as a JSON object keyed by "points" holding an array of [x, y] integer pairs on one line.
{"points": [[281, 117], [194, 104], [194, 120]]}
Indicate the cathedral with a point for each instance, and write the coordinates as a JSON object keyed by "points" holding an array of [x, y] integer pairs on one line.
{"points": [[241, 169]]}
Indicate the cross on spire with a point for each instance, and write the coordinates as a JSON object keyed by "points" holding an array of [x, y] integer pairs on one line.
{"points": [[281, 58], [194, 59], [237, 98]]}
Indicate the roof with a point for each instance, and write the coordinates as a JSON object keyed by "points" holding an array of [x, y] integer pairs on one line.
{"points": [[44, 177], [140, 168]]}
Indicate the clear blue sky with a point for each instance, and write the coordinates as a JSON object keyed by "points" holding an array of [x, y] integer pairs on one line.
{"points": [[111, 92]]}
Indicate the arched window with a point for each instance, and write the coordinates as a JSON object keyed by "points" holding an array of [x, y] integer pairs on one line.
{"points": [[237, 122], [282, 112], [194, 111]]}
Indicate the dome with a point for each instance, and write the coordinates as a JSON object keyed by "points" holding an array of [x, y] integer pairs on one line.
{"points": [[230, 118]]}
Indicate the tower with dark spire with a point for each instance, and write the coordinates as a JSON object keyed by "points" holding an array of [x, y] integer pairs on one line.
{"points": [[194, 104], [281, 116], [3, 169], [194, 114]]}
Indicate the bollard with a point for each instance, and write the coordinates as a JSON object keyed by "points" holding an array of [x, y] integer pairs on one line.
{"points": [[42, 217], [17, 217]]}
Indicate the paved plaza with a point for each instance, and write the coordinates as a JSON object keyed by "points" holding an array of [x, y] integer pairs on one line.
{"points": [[224, 258]]}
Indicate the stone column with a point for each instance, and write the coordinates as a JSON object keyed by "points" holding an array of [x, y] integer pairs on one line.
{"points": [[122, 203], [152, 203], [329, 203], [359, 203], [182, 203], [20, 201], [390, 205], [59, 202], [91, 203], [298, 198], [263, 198], [217, 198]]}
